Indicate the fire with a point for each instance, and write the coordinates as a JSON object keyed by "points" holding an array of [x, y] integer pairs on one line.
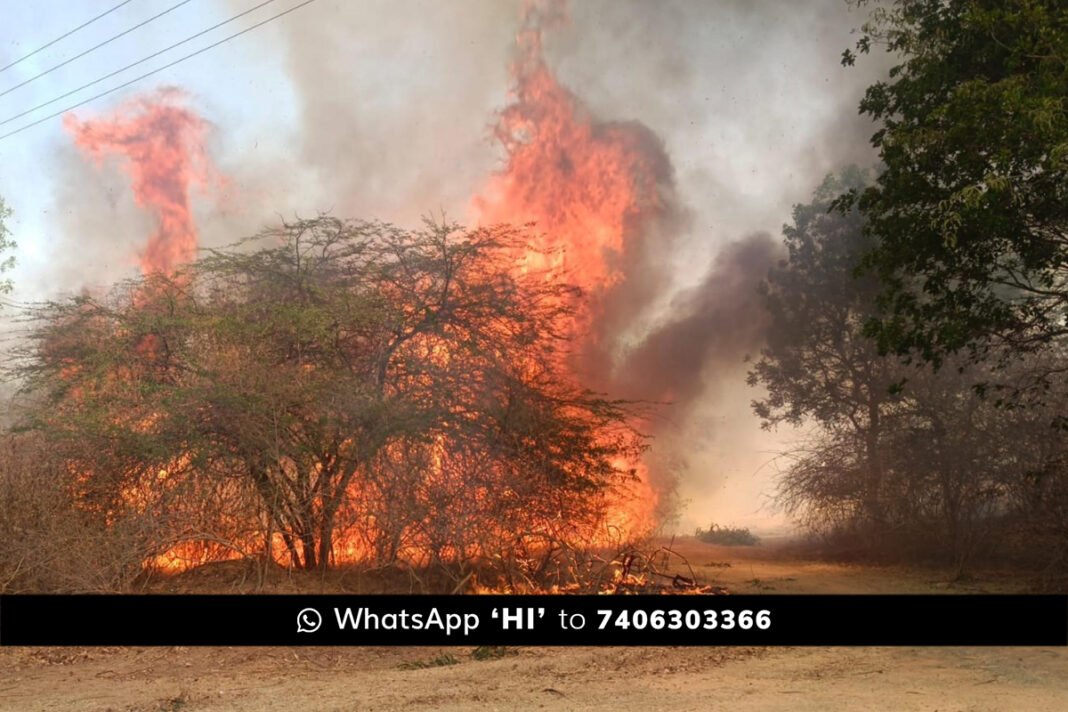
{"points": [[588, 187], [162, 144]]}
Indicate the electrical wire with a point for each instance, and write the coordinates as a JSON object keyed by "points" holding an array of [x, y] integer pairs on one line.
{"points": [[155, 71], [64, 36], [109, 40], [216, 26]]}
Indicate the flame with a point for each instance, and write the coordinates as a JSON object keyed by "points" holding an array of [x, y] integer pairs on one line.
{"points": [[162, 144], [587, 186]]}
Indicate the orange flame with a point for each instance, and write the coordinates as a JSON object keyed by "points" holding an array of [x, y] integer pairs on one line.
{"points": [[162, 143], [587, 186]]}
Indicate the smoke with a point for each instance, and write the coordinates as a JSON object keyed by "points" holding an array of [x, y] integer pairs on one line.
{"points": [[162, 144], [708, 328], [688, 362], [603, 195], [753, 108], [749, 97], [394, 101], [719, 115]]}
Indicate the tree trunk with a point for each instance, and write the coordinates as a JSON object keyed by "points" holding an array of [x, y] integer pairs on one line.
{"points": [[873, 496], [326, 541], [307, 543]]}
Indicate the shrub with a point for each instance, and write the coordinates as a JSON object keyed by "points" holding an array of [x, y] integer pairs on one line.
{"points": [[726, 536]]}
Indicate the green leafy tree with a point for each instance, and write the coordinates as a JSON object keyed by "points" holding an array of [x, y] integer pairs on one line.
{"points": [[971, 208]]}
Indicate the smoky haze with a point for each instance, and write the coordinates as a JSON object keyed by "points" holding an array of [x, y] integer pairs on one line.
{"points": [[395, 103]]}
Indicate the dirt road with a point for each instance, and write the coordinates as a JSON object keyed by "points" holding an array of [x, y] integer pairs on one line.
{"points": [[739, 680], [730, 679]]}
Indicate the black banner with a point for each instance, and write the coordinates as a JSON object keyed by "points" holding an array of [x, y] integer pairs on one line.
{"points": [[534, 620]]}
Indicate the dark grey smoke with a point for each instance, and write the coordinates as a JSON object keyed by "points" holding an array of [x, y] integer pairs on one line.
{"points": [[708, 328], [623, 311]]}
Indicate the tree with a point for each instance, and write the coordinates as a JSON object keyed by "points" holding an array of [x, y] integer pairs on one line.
{"points": [[817, 363], [351, 388], [916, 460], [6, 243], [971, 208]]}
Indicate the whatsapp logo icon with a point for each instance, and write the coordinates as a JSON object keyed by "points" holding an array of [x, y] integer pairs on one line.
{"points": [[309, 620]]}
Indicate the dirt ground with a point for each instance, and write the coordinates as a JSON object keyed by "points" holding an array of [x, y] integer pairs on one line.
{"points": [[735, 679]]}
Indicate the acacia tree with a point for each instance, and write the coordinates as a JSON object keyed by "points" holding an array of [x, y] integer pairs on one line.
{"points": [[349, 376]]}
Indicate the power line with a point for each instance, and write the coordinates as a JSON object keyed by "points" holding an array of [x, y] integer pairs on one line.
{"points": [[93, 49], [216, 26], [65, 36], [156, 71]]}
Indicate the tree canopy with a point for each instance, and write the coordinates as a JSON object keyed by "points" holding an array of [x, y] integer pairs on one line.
{"points": [[931, 466], [971, 207], [817, 363]]}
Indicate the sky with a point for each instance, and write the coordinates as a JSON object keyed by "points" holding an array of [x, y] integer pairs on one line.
{"points": [[382, 109]]}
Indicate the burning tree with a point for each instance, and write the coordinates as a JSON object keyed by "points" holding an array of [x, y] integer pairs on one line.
{"points": [[350, 392]]}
